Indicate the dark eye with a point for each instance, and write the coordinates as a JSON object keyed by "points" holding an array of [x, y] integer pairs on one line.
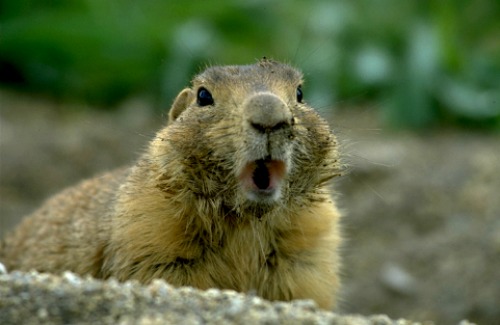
{"points": [[299, 94], [204, 97]]}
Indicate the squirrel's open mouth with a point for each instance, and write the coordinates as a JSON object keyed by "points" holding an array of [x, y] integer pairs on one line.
{"points": [[261, 179]]}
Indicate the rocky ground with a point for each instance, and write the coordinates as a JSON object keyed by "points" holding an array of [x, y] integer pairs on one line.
{"points": [[422, 211], [47, 299]]}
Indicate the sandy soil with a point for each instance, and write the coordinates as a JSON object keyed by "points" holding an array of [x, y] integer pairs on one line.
{"points": [[422, 211]]}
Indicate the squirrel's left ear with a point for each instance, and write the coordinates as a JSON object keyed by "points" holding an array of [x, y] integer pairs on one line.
{"points": [[181, 102]]}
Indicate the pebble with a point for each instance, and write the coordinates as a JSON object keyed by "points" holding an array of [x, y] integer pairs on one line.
{"points": [[3, 269]]}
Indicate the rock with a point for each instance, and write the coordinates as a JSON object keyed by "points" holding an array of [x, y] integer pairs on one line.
{"points": [[395, 278], [36, 298], [3, 269]]}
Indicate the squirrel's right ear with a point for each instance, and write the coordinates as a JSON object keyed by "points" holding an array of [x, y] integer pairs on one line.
{"points": [[180, 104]]}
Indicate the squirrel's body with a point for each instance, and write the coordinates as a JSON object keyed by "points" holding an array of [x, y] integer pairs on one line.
{"points": [[233, 194]]}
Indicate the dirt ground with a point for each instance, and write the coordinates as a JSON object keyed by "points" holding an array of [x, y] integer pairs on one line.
{"points": [[422, 211]]}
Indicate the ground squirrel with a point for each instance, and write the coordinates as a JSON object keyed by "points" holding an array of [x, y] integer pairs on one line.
{"points": [[233, 193]]}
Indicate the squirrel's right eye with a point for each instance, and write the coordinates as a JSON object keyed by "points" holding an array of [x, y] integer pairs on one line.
{"points": [[300, 94], [204, 97]]}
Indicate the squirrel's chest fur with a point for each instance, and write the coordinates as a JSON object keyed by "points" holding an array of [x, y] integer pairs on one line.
{"points": [[247, 258], [201, 245]]}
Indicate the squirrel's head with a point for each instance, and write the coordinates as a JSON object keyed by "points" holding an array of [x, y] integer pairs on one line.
{"points": [[244, 135]]}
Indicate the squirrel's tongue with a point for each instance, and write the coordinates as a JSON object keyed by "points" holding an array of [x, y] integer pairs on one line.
{"points": [[263, 174]]}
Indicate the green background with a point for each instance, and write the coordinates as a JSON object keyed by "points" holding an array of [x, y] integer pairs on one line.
{"points": [[420, 63]]}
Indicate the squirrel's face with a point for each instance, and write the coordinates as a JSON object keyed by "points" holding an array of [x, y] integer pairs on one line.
{"points": [[245, 135]]}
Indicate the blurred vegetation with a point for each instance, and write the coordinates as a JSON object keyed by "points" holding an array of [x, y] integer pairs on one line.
{"points": [[422, 63]]}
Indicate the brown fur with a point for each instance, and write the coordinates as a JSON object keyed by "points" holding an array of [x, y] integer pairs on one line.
{"points": [[183, 213]]}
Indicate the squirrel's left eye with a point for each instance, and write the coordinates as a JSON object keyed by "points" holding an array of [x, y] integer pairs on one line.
{"points": [[204, 97], [299, 94]]}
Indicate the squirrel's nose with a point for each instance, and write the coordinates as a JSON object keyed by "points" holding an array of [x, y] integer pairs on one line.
{"points": [[267, 113]]}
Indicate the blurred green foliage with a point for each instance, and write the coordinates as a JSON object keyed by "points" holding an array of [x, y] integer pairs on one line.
{"points": [[423, 63]]}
